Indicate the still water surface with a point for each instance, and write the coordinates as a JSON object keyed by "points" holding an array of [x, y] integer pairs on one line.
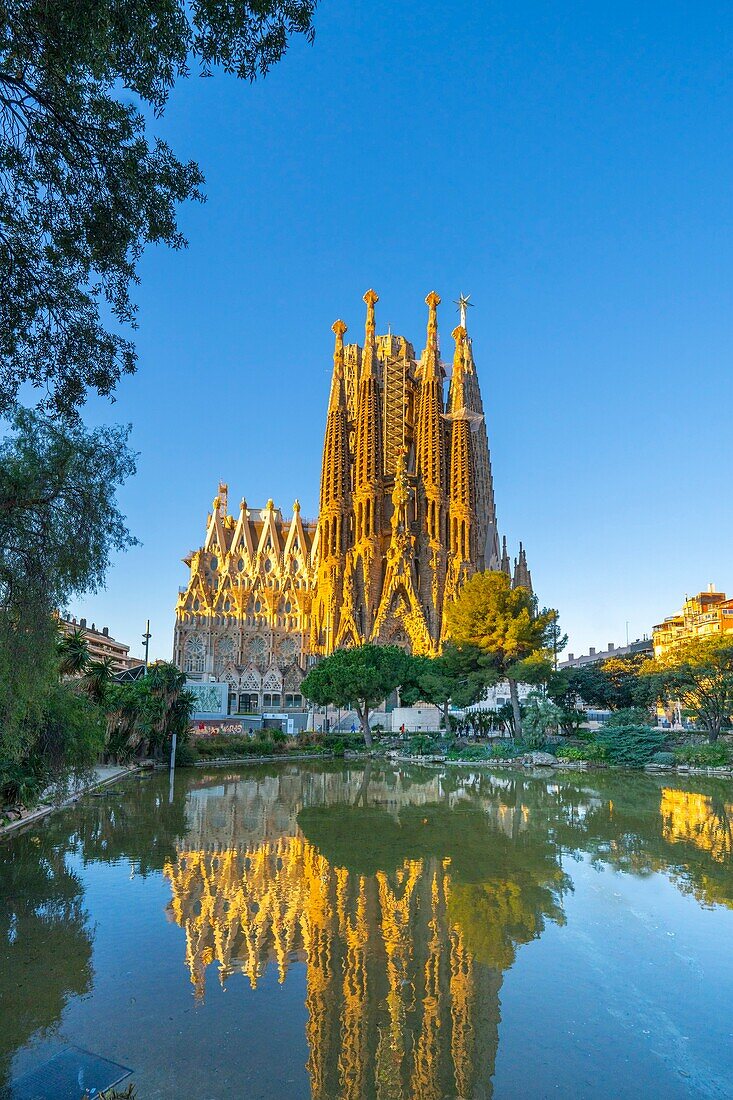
{"points": [[368, 932]]}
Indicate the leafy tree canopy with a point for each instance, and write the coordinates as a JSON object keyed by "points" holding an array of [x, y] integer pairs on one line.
{"points": [[613, 684], [699, 675], [459, 676], [361, 677], [505, 624], [83, 188], [59, 524]]}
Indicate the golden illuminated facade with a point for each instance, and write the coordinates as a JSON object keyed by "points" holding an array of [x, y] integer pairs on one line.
{"points": [[404, 964], [398, 901], [406, 514], [407, 501], [705, 614], [244, 615]]}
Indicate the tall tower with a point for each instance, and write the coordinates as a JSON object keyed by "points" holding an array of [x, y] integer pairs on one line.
{"points": [[462, 496], [364, 566], [487, 532], [335, 504], [430, 470], [407, 501]]}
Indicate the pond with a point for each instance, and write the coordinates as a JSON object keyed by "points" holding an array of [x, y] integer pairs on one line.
{"points": [[368, 931]]}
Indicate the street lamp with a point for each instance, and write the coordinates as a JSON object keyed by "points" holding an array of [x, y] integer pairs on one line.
{"points": [[146, 641]]}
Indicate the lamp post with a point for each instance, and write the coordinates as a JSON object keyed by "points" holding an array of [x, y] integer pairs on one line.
{"points": [[146, 641]]}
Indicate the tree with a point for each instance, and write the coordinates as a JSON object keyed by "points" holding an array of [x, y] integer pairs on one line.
{"points": [[563, 688], [613, 684], [73, 651], [699, 675], [505, 624], [142, 716], [97, 678], [541, 719], [172, 706], [83, 188], [363, 677], [458, 676], [59, 524]]}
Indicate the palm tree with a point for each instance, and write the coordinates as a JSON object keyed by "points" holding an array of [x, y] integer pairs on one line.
{"points": [[97, 677], [73, 651], [172, 704]]}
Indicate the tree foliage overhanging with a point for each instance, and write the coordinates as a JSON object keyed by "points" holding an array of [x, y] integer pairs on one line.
{"points": [[83, 187], [59, 525]]}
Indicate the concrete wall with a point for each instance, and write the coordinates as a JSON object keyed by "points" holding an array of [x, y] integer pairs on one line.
{"points": [[416, 719]]}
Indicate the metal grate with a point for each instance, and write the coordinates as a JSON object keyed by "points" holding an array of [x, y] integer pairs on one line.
{"points": [[71, 1074]]}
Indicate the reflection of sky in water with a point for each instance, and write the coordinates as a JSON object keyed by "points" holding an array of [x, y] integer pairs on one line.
{"points": [[328, 931]]}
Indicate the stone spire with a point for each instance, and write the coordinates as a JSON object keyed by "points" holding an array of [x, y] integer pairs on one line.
{"points": [[429, 431], [487, 535], [335, 485], [522, 575], [506, 565], [462, 476], [368, 442]]}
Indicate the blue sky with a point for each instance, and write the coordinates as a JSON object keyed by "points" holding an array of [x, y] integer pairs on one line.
{"points": [[567, 165]]}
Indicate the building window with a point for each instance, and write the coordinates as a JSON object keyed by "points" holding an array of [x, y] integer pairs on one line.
{"points": [[271, 699], [248, 702], [195, 655], [293, 701]]}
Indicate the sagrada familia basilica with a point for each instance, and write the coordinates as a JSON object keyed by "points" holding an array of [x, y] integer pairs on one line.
{"points": [[406, 514]]}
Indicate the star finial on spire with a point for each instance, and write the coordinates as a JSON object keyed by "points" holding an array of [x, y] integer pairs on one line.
{"points": [[463, 303]]}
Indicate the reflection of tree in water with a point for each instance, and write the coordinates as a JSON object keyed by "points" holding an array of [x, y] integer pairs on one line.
{"points": [[642, 825], [45, 941], [45, 938], [132, 821], [407, 917]]}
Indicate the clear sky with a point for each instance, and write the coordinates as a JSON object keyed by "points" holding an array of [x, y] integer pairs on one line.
{"points": [[569, 166]]}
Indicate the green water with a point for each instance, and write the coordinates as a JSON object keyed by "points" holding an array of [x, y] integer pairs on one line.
{"points": [[368, 932]]}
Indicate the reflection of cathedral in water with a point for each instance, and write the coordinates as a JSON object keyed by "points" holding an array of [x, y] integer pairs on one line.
{"points": [[404, 965]]}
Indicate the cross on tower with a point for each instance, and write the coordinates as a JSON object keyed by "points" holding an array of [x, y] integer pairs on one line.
{"points": [[463, 303]]}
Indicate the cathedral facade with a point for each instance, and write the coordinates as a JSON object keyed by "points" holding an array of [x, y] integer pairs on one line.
{"points": [[244, 616], [406, 514]]}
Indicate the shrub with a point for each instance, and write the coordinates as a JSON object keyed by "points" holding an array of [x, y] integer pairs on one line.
{"points": [[421, 744], [663, 758], [505, 750], [590, 753], [186, 756], [542, 718], [343, 740], [338, 747], [469, 752], [703, 755], [631, 746], [212, 747], [627, 716], [20, 785]]}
